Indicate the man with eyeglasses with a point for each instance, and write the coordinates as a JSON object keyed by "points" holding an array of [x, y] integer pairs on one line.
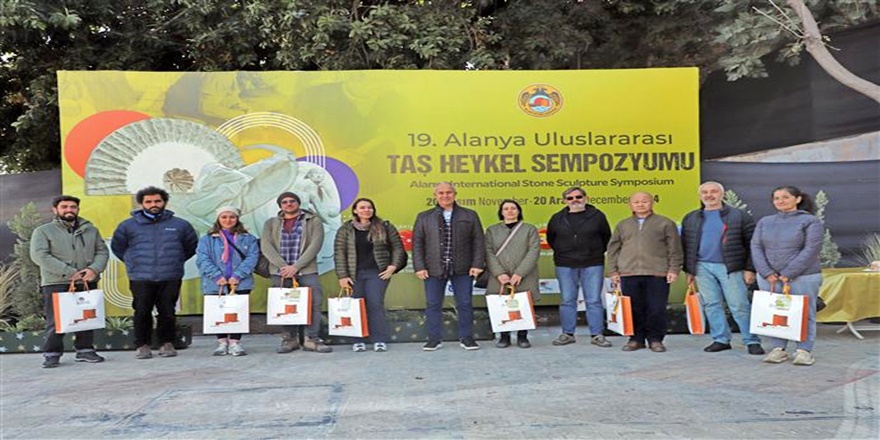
{"points": [[578, 235], [291, 242]]}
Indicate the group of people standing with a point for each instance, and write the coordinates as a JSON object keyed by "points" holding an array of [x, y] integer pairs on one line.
{"points": [[720, 248]]}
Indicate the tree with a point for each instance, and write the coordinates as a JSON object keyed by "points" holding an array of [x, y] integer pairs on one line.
{"points": [[39, 37]]}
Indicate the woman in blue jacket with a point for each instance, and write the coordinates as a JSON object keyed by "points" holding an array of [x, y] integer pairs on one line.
{"points": [[226, 257], [785, 248]]}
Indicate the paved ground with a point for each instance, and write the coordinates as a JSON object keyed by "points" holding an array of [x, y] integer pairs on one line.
{"points": [[577, 391]]}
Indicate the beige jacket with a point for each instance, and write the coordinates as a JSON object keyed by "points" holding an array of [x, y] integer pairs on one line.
{"points": [[652, 248]]}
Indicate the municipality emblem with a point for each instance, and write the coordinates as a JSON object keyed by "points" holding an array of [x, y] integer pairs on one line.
{"points": [[540, 100]]}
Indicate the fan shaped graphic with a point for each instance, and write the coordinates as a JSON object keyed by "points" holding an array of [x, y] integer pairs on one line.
{"points": [[156, 151]]}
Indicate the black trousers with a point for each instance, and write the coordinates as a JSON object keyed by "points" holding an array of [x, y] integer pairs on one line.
{"points": [[649, 297], [161, 295], [53, 344]]}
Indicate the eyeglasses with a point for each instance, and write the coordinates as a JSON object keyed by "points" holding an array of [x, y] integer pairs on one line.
{"points": [[574, 198], [288, 202]]}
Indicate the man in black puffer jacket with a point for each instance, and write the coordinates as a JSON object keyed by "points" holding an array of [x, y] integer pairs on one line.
{"points": [[716, 240]]}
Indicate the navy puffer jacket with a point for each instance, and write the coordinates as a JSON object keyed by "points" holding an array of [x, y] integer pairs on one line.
{"points": [[154, 249], [738, 229]]}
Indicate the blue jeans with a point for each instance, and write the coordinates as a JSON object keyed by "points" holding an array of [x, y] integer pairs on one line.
{"points": [[802, 285], [717, 287], [462, 288], [369, 286], [589, 279]]}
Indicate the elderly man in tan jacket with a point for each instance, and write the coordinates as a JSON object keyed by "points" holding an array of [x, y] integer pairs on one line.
{"points": [[644, 258]]}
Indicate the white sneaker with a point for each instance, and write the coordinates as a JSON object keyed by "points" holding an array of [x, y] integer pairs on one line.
{"points": [[776, 356], [237, 350], [359, 347], [379, 347], [803, 357], [221, 350]]}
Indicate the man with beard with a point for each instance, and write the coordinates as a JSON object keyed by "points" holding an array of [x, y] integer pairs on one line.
{"points": [[716, 241], [578, 235], [67, 249], [291, 242], [154, 244]]}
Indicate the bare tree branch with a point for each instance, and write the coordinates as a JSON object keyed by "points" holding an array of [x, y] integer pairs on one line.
{"points": [[816, 47]]}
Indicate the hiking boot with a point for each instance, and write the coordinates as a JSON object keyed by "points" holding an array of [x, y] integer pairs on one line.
{"points": [[167, 350], [776, 356], [503, 340], [716, 347], [657, 347], [564, 339], [288, 343], [600, 341], [432, 346], [143, 352], [380, 347], [237, 350], [633, 346], [755, 349], [316, 345], [51, 361], [221, 349], [803, 357], [469, 343], [89, 356], [359, 347]]}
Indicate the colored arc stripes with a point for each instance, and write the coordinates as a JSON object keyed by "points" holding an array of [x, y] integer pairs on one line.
{"points": [[311, 141]]}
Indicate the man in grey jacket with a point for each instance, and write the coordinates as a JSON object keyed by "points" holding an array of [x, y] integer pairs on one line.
{"points": [[716, 241], [67, 249], [448, 246], [291, 242]]}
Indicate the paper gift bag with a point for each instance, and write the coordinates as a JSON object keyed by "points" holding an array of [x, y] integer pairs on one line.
{"points": [[694, 310], [618, 314], [226, 314], [347, 316], [289, 305], [511, 312], [78, 311], [780, 315]]}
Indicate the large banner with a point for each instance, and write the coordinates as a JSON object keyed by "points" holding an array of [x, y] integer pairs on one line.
{"points": [[242, 138]]}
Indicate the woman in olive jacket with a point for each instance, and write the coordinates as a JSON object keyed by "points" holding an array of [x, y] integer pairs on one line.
{"points": [[516, 264], [367, 252]]}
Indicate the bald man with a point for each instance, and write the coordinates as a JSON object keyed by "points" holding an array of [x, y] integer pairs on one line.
{"points": [[644, 258]]}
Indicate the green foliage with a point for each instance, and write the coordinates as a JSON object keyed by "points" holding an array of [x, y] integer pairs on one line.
{"points": [[750, 35], [8, 278], [830, 253], [39, 37], [27, 299], [732, 198], [29, 323], [118, 323]]}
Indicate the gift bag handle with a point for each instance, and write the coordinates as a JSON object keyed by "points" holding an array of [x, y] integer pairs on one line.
{"points": [[72, 287], [511, 289], [230, 289], [692, 290], [786, 288], [345, 290], [293, 279]]}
